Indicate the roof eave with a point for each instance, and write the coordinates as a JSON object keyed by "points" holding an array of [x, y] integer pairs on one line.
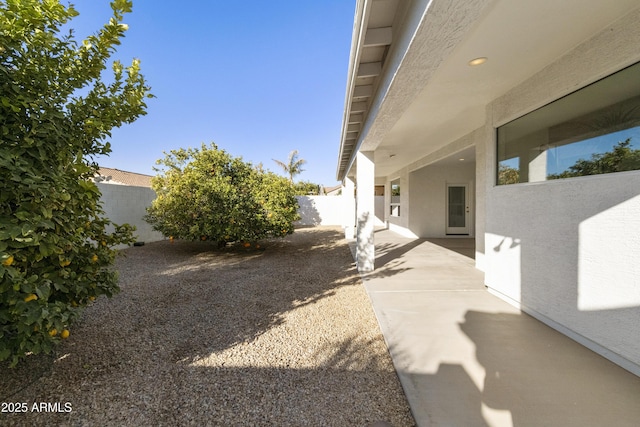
{"points": [[361, 18]]}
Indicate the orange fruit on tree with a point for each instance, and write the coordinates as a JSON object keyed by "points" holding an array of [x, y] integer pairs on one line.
{"points": [[247, 245], [31, 297], [94, 258], [53, 332], [7, 262], [64, 334]]}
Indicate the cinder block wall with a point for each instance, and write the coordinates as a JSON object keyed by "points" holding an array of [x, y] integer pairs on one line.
{"points": [[330, 210], [127, 204], [320, 210]]}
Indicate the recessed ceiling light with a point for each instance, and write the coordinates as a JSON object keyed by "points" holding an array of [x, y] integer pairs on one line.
{"points": [[478, 61], [462, 160]]}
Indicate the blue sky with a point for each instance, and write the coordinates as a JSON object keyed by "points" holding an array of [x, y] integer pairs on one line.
{"points": [[562, 157], [258, 78]]}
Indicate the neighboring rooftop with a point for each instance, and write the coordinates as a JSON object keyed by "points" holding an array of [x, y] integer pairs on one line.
{"points": [[116, 176], [332, 191]]}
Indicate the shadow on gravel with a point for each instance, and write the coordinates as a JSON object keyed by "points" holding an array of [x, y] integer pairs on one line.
{"points": [[152, 354], [231, 296]]}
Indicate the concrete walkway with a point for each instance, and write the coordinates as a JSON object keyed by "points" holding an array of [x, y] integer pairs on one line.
{"points": [[467, 358]]}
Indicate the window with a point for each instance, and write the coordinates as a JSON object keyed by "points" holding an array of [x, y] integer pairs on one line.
{"points": [[595, 130], [395, 198]]}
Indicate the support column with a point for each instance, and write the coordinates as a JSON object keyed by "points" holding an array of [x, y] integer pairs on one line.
{"points": [[538, 167], [365, 211], [349, 197]]}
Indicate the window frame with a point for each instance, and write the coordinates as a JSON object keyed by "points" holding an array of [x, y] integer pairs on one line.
{"points": [[583, 137], [394, 207]]}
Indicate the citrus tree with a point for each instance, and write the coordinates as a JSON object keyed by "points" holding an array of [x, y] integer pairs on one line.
{"points": [[207, 194], [55, 116]]}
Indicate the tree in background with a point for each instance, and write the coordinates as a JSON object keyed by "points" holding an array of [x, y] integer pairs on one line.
{"points": [[306, 188], [621, 158], [293, 166], [508, 175], [207, 194], [55, 114]]}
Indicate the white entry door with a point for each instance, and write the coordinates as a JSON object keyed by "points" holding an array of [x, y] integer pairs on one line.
{"points": [[458, 209]]}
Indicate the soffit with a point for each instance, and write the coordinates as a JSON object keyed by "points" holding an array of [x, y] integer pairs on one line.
{"points": [[374, 35], [519, 38]]}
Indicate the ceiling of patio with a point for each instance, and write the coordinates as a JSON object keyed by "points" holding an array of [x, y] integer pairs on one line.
{"points": [[519, 38]]}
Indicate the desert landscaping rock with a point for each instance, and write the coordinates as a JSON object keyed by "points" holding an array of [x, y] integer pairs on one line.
{"points": [[283, 336]]}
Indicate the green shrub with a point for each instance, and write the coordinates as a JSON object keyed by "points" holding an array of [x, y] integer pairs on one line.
{"points": [[207, 194], [306, 188], [54, 241]]}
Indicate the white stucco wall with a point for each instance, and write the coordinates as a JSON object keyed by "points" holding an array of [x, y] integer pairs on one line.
{"points": [[127, 204], [400, 224], [321, 210], [379, 211], [483, 135], [566, 251], [428, 189]]}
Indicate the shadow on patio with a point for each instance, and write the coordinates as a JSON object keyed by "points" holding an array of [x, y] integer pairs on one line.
{"points": [[465, 357]]}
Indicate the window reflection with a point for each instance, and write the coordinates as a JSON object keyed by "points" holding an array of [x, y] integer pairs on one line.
{"points": [[395, 198], [595, 130]]}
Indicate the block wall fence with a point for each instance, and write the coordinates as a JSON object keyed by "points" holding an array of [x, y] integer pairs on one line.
{"points": [[127, 204]]}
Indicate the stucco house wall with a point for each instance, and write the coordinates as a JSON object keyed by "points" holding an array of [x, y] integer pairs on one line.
{"points": [[427, 188], [564, 250], [400, 224]]}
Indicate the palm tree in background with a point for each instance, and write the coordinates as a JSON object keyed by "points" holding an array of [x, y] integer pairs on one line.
{"points": [[293, 166]]}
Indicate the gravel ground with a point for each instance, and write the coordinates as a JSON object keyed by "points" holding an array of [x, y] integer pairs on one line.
{"points": [[280, 336]]}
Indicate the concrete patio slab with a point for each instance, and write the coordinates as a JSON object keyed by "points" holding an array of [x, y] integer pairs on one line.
{"points": [[467, 358]]}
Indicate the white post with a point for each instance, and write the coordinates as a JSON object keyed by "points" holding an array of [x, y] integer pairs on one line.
{"points": [[349, 197], [365, 211], [538, 167]]}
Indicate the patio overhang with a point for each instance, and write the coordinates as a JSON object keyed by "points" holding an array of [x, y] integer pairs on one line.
{"points": [[372, 36], [411, 85]]}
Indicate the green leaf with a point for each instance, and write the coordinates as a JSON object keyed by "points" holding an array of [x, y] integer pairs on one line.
{"points": [[5, 353], [23, 216], [27, 229], [45, 249], [43, 291], [60, 287], [50, 135]]}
